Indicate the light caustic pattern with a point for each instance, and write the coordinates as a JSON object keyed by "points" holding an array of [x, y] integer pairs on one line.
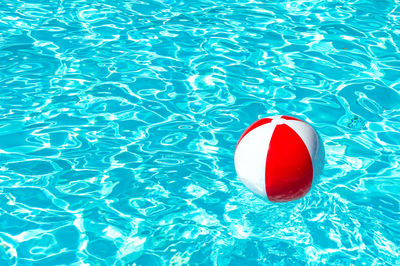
{"points": [[119, 121]]}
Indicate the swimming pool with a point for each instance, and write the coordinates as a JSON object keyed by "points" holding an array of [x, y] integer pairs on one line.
{"points": [[119, 121]]}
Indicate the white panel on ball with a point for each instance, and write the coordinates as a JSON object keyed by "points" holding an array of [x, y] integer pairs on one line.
{"points": [[251, 158]]}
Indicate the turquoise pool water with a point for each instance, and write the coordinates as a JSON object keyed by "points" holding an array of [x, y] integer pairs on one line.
{"points": [[119, 121]]}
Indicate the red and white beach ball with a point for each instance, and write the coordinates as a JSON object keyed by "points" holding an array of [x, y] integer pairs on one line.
{"points": [[279, 157]]}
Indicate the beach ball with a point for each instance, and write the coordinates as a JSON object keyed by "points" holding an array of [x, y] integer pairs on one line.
{"points": [[279, 158]]}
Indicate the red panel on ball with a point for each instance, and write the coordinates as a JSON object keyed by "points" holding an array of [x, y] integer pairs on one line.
{"points": [[256, 124], [289, 118], [288, 170]]}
